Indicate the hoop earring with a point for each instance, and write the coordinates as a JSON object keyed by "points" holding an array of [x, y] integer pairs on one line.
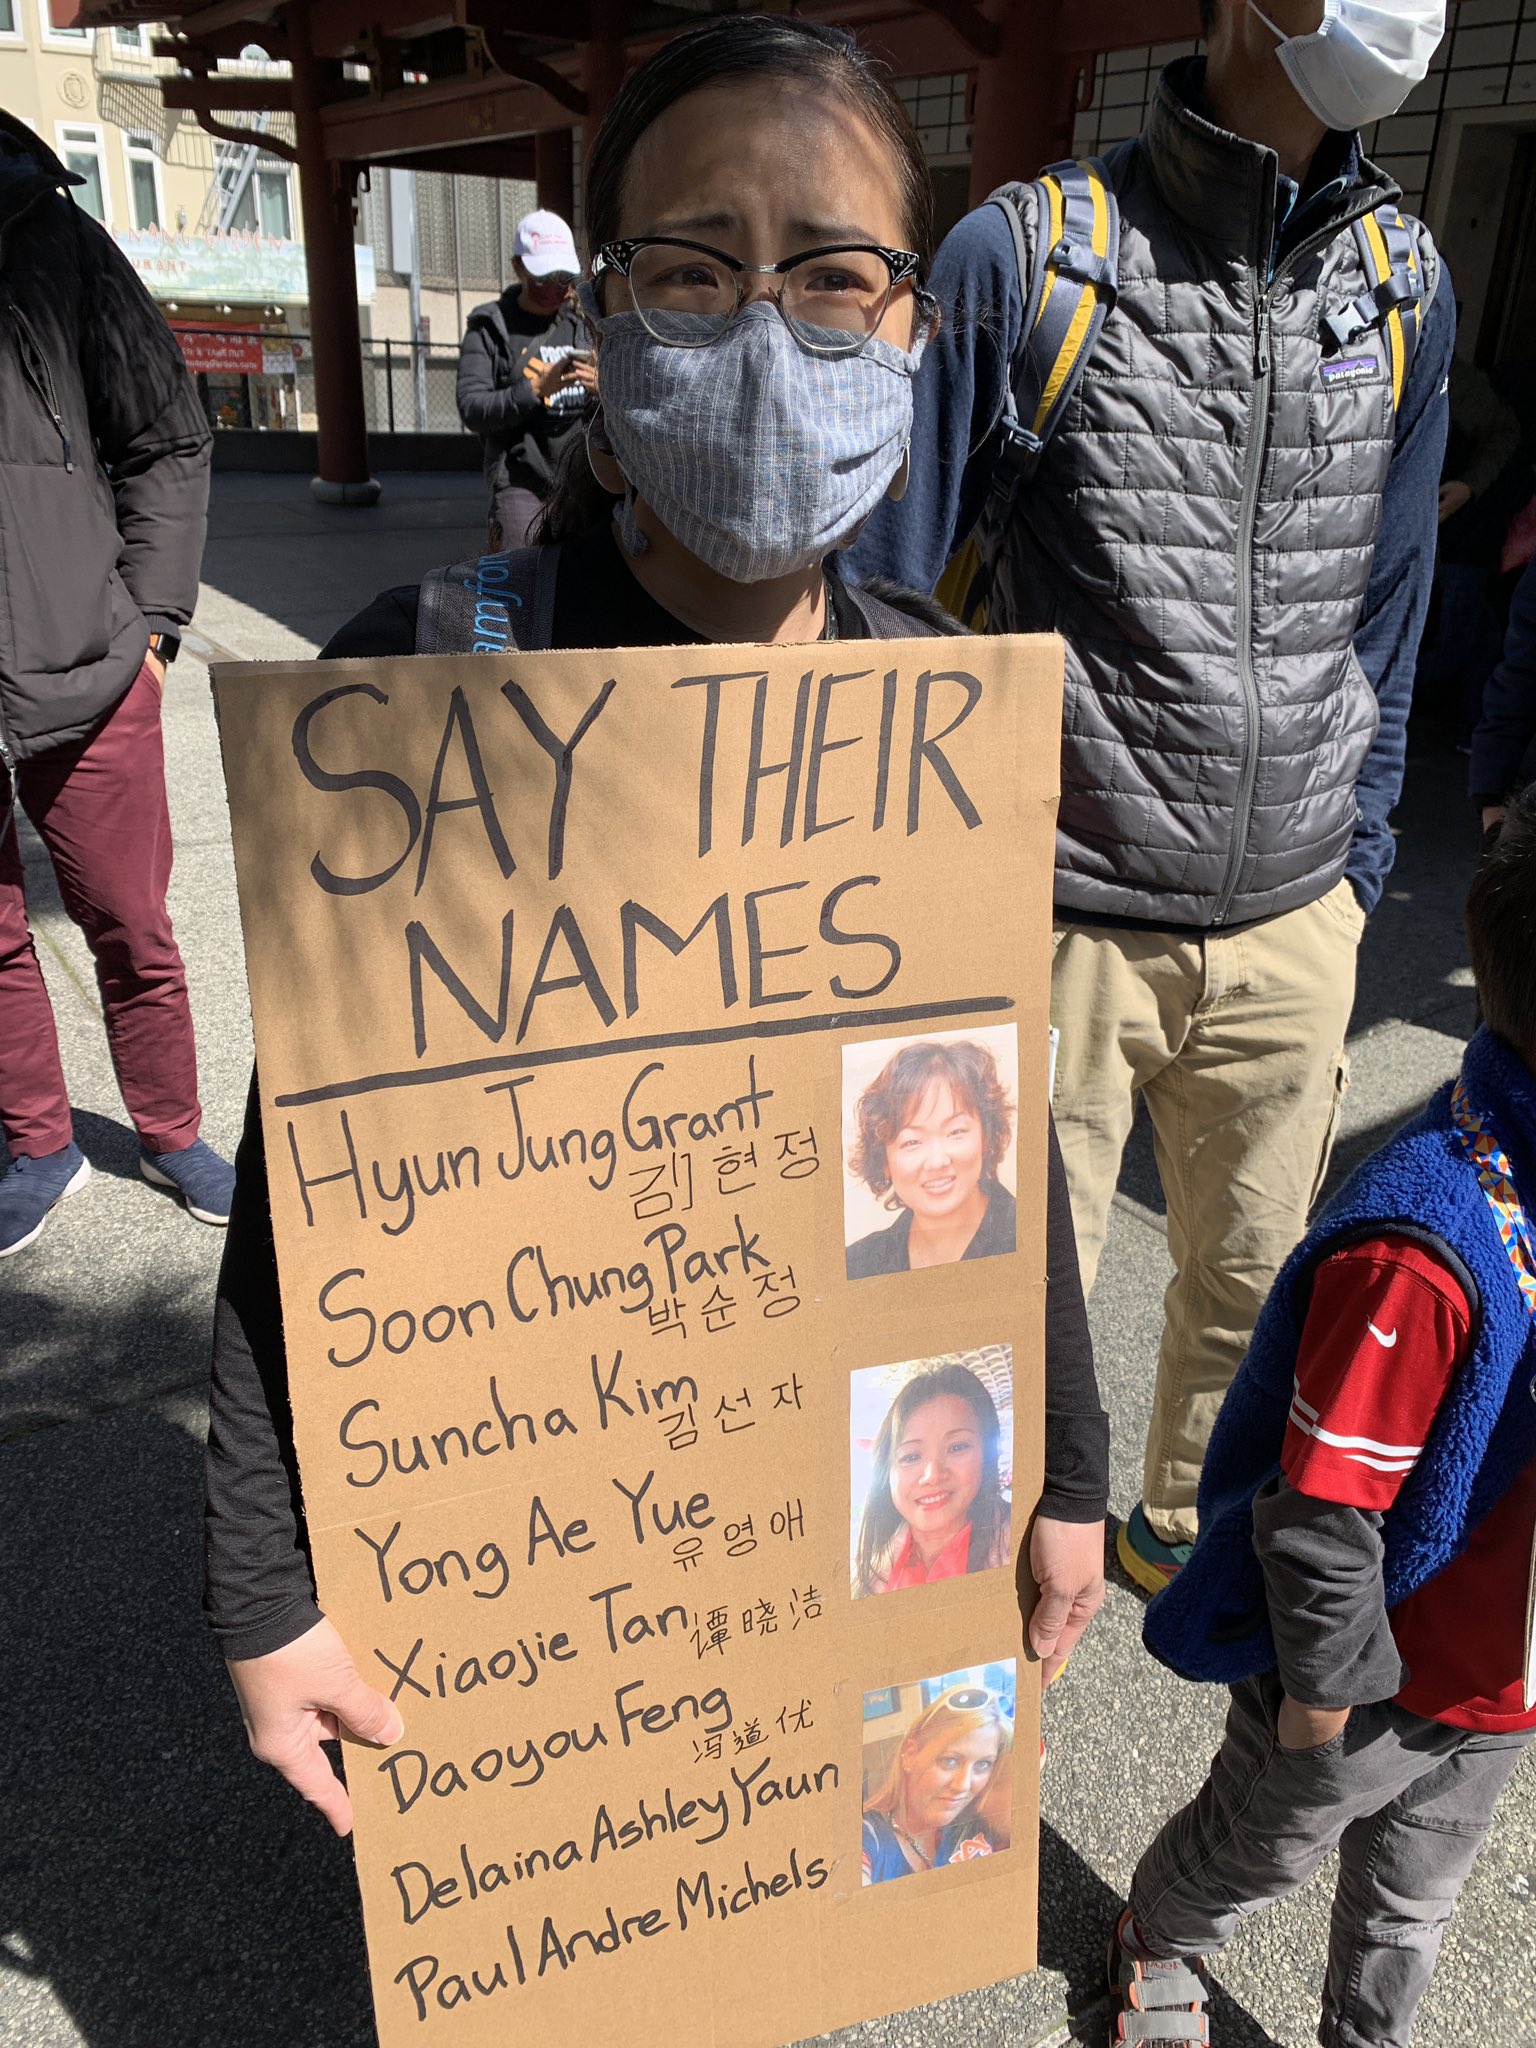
{"points": [[601, 459]]}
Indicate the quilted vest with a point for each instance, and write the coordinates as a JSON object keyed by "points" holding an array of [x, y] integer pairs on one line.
{"points": [[1211, 1622], [1200, 531]]}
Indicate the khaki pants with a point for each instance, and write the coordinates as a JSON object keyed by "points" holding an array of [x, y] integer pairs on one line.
{"points": [[1236, 1041]]}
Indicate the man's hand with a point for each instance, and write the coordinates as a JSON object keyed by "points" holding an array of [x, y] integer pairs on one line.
{"points": [[544, 377], [583, 371], [156, 668], [1067, 1559], [1308, 1727], [302, 1695], [1452, 497]]}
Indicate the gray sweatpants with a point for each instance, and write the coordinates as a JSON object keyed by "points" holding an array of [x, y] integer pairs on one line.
{"points": [[1407, 1802]]}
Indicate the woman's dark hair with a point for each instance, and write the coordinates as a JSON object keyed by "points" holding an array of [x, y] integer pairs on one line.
{"points": [[1207, 17], [881, 1523], [1501, 928], [741, 46], [886, 1103]]}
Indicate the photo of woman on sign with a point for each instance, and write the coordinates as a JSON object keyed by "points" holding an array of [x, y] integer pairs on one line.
{"points": [[938, 1802], [935, 1506], [761, 218], [930, 1135]]}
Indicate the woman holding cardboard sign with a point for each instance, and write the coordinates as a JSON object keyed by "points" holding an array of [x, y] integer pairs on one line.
{"points": [[762, 214]]}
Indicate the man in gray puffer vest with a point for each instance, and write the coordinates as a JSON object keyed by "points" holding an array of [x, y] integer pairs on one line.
{"points": [[1233, 527]]}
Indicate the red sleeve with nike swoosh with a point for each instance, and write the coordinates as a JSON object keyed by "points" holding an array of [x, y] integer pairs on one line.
{"points": [[1385, 1330]]}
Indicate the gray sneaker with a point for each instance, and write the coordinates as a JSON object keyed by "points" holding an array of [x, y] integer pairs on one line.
{"points": [[31, 1188]]}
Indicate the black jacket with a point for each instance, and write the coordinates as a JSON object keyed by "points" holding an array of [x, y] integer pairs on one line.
{"points": [[104, 456], [886, 1251], [1504, 744], [521, 436]]}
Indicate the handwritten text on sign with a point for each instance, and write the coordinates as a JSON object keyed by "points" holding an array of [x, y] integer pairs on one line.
{"points": [[558, 965]]}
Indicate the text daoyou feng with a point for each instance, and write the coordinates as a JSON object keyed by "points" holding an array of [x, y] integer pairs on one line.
{"points": [[905, 787]]}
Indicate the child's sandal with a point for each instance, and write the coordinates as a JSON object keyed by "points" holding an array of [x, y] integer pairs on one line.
{"points": [[1156, 2001]]}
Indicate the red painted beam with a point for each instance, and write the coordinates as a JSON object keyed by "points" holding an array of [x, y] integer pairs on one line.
{"points": [[1089, 25], [400, 124]]}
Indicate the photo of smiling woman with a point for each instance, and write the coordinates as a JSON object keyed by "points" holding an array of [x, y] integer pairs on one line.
{"points": [[930, 1134], [938, 1795], [933, 1478]]}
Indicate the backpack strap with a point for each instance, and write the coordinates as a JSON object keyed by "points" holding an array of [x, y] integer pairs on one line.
{"points": [[1070, 290], [1069, 287], [1394, 297], [488, 604]]}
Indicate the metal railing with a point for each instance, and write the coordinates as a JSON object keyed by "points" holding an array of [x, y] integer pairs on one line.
{"points": [[409, 387]]}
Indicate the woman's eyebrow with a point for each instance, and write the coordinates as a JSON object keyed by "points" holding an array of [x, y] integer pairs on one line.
{"points": [[817, 232], [697, 223], [808, 234]]}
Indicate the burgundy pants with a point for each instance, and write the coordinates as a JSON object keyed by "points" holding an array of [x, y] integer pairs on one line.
{"points": [[99, 808]]}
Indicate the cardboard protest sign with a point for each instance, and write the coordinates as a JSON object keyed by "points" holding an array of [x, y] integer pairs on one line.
{"points": [[652, 1051]]}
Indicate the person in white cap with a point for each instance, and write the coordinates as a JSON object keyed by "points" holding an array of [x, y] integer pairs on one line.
{"points": [[525, 375]]}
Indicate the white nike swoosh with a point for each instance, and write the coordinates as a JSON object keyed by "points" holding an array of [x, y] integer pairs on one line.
{"points": [[1385, 1339]]}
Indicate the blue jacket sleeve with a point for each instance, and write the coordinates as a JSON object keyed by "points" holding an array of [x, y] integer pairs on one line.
{"points": [[1506, 732], [1397, 595], [957, 402]]}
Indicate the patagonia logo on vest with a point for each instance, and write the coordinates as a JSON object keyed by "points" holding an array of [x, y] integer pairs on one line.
{"points": [[490, 589], [1339, 371]]}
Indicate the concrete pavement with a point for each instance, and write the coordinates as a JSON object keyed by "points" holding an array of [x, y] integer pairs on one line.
{"points": [[158, 1889]]}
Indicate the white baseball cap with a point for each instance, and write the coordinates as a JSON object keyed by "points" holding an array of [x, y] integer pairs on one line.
{"points": [[545, 246]]}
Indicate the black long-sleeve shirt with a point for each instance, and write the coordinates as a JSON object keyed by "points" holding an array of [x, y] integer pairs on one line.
{"points": [[259, 1591]]}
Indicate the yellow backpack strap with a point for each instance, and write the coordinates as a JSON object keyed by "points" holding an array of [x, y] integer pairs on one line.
{"points": [[1076, 278], [1069, 288], [1393, 298]]}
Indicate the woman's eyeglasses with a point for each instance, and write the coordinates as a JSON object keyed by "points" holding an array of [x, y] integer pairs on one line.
{"points": [[832, 300]]}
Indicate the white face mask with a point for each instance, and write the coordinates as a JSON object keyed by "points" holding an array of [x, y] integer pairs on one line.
{"points": [[1364, 61]]}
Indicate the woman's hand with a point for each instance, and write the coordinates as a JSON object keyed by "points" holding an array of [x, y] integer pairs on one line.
{"points": [[307, 1693], [1067, 1560]]}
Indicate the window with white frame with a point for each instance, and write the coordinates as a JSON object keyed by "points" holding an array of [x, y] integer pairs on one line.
{"points": [[10, 22], [266, 205], [129, 40], [146, 202], [60, 38], [81, 150]]}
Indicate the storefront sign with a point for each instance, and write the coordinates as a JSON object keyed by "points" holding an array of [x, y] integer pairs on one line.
{"points": [[204, 268], [652, 1046]]}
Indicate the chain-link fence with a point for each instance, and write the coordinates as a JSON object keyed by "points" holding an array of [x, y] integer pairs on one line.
{"points": [[249, 378], [408, 387]]}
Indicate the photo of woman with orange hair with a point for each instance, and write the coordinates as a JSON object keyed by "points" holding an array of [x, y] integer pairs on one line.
{"points": [[944, 1793], [930, 1133]]}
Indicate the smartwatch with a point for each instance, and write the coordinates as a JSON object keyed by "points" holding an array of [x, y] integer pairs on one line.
{"points": [[165, 646]]}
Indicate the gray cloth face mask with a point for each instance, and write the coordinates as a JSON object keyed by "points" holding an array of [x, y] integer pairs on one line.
{"points": [[760, 457]]}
